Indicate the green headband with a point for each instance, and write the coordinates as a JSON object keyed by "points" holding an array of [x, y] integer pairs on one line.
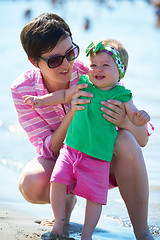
{"points": [[99, 47]]}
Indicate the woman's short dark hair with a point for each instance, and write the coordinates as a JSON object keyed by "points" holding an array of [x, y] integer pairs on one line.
{"points": [[43, 33]]}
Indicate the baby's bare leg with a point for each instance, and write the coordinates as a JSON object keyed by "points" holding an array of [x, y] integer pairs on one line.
{"points": [[92, 215], [34, 184], [58, 198]]}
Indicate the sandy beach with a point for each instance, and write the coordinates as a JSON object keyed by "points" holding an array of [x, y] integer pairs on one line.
{"points": [[16, 225], [16, 220]]}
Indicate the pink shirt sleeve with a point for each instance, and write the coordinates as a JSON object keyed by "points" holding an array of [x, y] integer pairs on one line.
{"points": [[33, 121], [39, 133]]}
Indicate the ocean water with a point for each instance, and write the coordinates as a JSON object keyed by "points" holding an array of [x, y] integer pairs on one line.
{"points": [[132, 23]]}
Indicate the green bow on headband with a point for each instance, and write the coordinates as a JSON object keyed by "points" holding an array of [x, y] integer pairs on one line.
{"points": [[99, 47], [94, 47]]}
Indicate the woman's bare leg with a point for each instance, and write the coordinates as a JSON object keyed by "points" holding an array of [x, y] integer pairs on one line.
{"points": [[92, 215], [130, 172], [34, 184], [34, 181]]}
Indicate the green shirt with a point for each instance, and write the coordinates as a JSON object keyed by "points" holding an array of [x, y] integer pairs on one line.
{"points": [[89, 132]]}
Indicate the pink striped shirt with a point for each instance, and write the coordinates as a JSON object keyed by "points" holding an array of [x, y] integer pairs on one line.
{"points": [[40, 123]]}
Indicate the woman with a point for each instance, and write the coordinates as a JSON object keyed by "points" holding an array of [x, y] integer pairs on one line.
{"points": [[48, 43]]}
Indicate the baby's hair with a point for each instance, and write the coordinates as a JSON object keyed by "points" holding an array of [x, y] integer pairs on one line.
{"points": [[119, 47]]}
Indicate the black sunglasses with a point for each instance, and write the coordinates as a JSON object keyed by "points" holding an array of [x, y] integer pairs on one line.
{"points": [[57, 60]]}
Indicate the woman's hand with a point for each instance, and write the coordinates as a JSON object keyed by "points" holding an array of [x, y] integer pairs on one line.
{"points": [[77, 102], [118, 115]]}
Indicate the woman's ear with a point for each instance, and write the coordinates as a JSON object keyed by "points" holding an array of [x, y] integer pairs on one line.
{"points": [[33, 61]]}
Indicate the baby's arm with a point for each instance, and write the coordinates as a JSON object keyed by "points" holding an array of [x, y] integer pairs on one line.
{"points": [[57, 97], [137, 117]]}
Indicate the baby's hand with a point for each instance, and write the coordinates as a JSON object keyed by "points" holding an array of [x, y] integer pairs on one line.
{"points": [[143, 117], [33, 100]]}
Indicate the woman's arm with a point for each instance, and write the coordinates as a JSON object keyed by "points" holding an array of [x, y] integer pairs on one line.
{"points": [[140, 133], [119, 118], [59, 135]]}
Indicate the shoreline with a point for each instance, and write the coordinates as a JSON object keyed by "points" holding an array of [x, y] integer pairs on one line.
{"points": [[16, 224], [17, 216]]}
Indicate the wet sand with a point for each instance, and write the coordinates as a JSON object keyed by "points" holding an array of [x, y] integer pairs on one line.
{"points": [[16, 225]]}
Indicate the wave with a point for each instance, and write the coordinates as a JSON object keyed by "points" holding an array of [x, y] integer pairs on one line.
{"points": [[12, 128], [125, 222], [16, 166], [155, 230]]}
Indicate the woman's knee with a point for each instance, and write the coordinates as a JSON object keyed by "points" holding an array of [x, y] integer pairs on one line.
{"points": [[127, 162], [32, 187], [126, 146], [34, 181]]}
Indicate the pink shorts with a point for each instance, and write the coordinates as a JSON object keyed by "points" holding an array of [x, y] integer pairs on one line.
{"points": [[85, 176]]}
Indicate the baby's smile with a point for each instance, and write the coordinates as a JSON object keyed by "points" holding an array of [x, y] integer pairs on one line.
{"points": [[99, 77]]}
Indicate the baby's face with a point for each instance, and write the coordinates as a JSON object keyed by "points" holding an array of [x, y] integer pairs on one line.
{"points": [[103, 71]]}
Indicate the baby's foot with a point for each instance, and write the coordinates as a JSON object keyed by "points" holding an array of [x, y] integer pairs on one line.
{"points": [[57, 229], [54, 236]]}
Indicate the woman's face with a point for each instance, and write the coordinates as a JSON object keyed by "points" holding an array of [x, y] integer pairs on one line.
{"points": [[59, 77]]}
